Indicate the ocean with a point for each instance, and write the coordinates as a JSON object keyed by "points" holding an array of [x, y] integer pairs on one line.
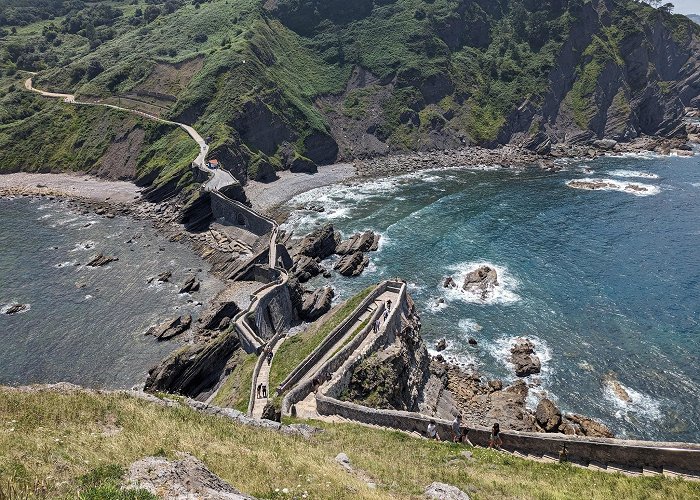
{"points": [[86, 325], [605, 282]]}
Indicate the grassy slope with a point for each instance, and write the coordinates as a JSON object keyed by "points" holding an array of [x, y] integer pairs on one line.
{"points": [[59, 438], [295, 349], [235, 391]]}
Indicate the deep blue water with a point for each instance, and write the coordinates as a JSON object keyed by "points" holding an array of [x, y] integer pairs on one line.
{"points": [[606, 282], [86, 325]]}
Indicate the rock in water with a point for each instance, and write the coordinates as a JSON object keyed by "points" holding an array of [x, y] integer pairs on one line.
{"points": [[101, 260], [305, 268], [524, 358], [481, 280], [171, 328], [16, 309], [449, 282], [352, 265], [612, 383], [186, 478], [191, 284], [320, 243], [548, 415], [360, 242], [441, 345], [588, 427], [317, 303], [442, 491]]}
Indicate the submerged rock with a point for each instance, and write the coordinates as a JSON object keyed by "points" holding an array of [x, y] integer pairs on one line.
{"points": [[524, 359], [101, 260], [441, 345], [16, 309], [171, 328], [616, 387], [352, 264]]}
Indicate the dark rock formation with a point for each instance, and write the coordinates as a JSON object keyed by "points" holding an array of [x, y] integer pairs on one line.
{"points": [[163, 277], [352, 264], [171, 328], [193, 369], [360, 242], [101, 260], [524, 359], [548, 415], [305, 268], [584, 426], [317, 303], [320, 243], [16, 309], [472, 341], [441, 345], [271, 412], [190, 285], [303, 165], [449, 282], [481, 280], [218, 315]]}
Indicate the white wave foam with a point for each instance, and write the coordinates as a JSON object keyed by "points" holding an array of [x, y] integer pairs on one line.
{"points": [[503, 293], [640, 405], [84, 245], [45, 216], [640, 155], [632, 174], [435, 306], [68, 263], [604, 184], [469, 325], [499, 349]]}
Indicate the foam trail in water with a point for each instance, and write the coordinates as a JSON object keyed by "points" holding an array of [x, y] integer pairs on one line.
{"points": [[632, 174]]}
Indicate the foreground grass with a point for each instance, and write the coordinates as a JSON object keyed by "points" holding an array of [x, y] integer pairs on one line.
{"points": [[295, 349], [62, 439]]}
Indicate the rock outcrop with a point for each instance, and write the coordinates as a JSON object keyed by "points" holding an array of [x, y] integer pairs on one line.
{"points": [[15, 309], [320, 243], [316, 303], [442, 491], [305, 268], [524, 358], [360, 242], [548, 415], [481, 281], [101, 260], [171, 328], [191, 284], [352, 264], [183, 478]]}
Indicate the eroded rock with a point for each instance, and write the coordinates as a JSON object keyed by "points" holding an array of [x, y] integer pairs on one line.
{"points": [[360, 242], [317, 303], [352, 264], [548, 415], [191, 284], [101, 260], [171, 328], [320, 243], [524, 359]]}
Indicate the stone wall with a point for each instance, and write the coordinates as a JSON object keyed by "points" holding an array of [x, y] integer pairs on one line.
{"points": [[333, 365], [274, 312], [237, 214]]}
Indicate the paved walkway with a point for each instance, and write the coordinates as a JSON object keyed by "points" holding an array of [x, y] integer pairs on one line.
{"points": [[264, 379]]}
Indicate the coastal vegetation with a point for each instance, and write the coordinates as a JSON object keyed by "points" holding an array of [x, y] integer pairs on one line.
{"points": [[271, 82], [295, 349], [235, 391], [61, 445]]}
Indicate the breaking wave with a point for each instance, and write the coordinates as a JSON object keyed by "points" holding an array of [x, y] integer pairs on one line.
{"points": [[635, 188]]}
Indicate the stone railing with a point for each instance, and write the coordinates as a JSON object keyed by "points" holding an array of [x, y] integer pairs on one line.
{"points": [[631, 456], [300, 386]]}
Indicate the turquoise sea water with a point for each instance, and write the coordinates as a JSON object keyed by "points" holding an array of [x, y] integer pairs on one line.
{"points": [[607, 283], [86, 325]]}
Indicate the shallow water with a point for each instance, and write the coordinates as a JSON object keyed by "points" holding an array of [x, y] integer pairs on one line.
{"points": [[603, 281], [86, 325]]}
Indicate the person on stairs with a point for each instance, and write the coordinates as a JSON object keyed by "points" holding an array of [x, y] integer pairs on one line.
{"points": [[258, 391], [264, 391], [269, 358]]}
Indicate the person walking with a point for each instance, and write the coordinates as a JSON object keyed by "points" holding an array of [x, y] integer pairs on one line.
{"points": [[432, 431], [269, 358], [388, 305], [377, 325], [456, 425], [495, 440], [386, 314], [258, 391], [264, 391]]}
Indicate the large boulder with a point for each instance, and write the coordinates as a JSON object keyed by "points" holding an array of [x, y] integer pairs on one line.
{"points": [[548, 415], [442, 491], [317, 303], [360, 242], [320, 243], [481, 280], [214, 318], [587, 426], [352, 265], [524, 359], [101, 260], [190, 285], [301, 164], [305, 268], [171, 328], [185, 478]]}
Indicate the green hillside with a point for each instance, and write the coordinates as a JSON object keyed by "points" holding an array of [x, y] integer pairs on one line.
{"points": [[56, 445], [270, 82]]}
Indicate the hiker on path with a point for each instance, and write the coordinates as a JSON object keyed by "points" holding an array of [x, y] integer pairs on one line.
{"points": [[495, 438], [432, 431], [386, 314], [269, 358], [258, 391], [264, 391], [388, 305]]}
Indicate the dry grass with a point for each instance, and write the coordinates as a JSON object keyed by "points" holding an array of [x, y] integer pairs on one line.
{"points": [[54, 439]]}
